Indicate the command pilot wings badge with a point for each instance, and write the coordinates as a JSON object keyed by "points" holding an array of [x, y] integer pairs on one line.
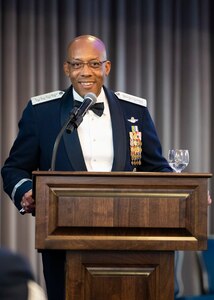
{"points": [[132, 120]]}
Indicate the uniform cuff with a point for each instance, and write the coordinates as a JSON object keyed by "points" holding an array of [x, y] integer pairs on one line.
{"points": [[20, 191]]}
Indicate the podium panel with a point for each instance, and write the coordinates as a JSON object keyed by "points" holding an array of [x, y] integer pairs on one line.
{"points": [[120, 275], [120, 229]]}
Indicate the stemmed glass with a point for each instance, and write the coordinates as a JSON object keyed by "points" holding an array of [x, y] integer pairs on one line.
{"points": [[178, 159]]}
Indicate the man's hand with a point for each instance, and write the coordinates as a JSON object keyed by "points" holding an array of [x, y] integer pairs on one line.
{"points": [[28, 203]]}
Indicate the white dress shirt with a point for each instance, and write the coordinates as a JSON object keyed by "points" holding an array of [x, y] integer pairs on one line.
{"points": [[95, 134]]}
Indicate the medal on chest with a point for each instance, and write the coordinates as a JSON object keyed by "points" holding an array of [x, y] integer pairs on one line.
{"points": [[135, 137]]}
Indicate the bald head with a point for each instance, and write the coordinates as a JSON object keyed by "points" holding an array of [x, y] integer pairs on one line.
{"points": [[87, 42]]}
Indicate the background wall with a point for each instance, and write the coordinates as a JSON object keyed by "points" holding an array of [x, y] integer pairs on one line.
{"points": [[160, 50]]}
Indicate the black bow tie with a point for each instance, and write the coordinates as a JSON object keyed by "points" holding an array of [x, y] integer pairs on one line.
{"points": [[97, 108]]}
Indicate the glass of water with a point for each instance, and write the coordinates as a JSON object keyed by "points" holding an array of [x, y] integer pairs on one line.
{"points": [[178, 159]]}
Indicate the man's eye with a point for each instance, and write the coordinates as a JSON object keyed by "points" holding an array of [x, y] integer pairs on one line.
{"points": [[95, 64], [76, 65]]}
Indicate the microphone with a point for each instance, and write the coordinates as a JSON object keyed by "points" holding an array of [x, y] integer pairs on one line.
{"points": [[89, 100], [77, 114], [75, 118]]}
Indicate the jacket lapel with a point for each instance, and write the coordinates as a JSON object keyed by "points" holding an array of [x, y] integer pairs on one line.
{"points": [[118, 131], [71, 141]]}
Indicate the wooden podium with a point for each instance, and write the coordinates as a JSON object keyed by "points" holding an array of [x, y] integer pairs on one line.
{"points": [[120, 229]]}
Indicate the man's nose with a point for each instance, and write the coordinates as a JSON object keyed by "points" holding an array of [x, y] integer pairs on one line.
{"points": [[86, 70]]}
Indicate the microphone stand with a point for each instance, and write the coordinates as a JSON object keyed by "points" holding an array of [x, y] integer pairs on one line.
{"points": [[72, 123], [76, 117]]}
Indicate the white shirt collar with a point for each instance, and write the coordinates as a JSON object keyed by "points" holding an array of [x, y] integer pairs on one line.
{"points": [[100, 98]]}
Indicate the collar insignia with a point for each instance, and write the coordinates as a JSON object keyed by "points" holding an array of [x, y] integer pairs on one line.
{"points": [[47, 97], [131, 98]]}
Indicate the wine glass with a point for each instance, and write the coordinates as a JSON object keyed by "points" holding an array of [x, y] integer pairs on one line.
{"points": [[178, 159]]}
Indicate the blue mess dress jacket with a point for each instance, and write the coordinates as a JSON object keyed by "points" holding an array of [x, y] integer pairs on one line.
{"points": [[41, 123]]}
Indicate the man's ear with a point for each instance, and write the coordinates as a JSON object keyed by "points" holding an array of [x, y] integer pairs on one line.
{"points": [[66, 69], [107, 68]]}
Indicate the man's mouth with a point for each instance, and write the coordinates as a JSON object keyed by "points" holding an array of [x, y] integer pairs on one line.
{"points": [[86, 84]]}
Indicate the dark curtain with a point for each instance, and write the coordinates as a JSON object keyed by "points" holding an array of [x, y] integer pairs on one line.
{"points": [[160, 50]]}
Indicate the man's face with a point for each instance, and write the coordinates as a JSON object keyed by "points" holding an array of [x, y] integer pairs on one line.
{"points": [[89, 76]]}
